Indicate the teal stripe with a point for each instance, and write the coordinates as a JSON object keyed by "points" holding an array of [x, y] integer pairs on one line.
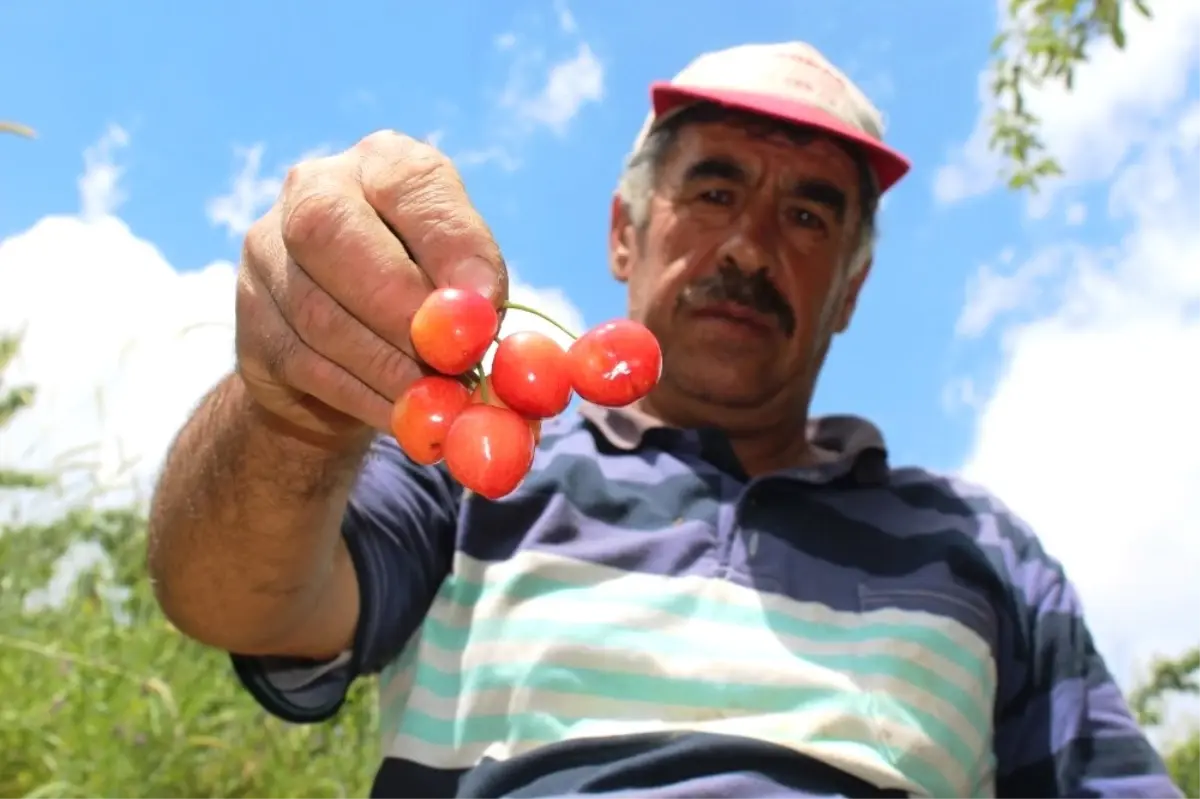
{"points": [[467, 593], [546, 728], [525, 586], [390, 712], [685, 692], [616, 637]]}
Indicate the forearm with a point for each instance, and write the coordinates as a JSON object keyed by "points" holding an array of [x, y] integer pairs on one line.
{"points": [[245, 523]]}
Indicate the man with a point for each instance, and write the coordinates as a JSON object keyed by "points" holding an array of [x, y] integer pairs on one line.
{"points": [[710, 594]]}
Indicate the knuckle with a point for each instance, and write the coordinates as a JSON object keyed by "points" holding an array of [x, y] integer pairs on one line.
{"points": [[415, 177], [444, 218], [433, 170], [299, 175], [384, 142], [442, 222], [391, 147], [431, 158], [315, 218]]}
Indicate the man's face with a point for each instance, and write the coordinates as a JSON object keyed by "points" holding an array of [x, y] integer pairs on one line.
{"points": [[743, 270]]}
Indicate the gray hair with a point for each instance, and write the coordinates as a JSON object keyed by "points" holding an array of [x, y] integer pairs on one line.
{"points": [[638, 180]]}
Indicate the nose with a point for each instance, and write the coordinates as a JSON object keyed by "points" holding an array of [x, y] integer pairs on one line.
{"points": [[749, 245]]}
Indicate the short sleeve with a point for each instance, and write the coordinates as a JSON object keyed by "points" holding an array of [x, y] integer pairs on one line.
{"points": [[399, 528]]}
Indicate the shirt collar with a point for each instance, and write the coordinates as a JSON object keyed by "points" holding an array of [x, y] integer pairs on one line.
{"points": [[858, 445]]}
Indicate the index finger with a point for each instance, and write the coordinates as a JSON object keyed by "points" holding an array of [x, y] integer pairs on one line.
{"points": [[420, 195], [339, 241]]}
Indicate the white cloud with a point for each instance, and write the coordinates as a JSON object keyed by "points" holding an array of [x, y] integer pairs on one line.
{"points": [[542, 90], [99, 186], [496, 154], [119, 358], [539, 94], [250, 192], [1119, 100], [1091, 431], [995, 291], [121, 355], [569, 85]]}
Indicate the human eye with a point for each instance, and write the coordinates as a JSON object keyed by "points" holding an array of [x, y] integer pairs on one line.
{"points": [[805, 217], [717, 196]]}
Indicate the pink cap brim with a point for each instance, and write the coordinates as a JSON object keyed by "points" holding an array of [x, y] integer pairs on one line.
{"points": [[889, 165]]}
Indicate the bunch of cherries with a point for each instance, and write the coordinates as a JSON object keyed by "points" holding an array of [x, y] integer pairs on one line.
{"points": [[486, 426]]}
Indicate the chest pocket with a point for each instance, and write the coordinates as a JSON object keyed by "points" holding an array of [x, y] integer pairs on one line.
{"points": [[931, 640], [915, 649]]}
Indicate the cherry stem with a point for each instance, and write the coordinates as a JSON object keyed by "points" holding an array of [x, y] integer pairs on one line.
{"points": [[516, 306], [483, 384]]}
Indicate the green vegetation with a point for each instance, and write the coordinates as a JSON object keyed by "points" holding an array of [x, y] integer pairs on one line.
{"points": [[104, 698], [1173, 677]]}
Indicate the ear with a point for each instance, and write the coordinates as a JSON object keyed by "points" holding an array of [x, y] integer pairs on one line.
{"points": [[850, 300], [621, 240]]}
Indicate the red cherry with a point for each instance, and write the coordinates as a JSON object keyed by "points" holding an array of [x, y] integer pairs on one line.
{"points": [[529, 373], [453, 329], [535, 425], [615, 364], [422, 417], [489, 450]]}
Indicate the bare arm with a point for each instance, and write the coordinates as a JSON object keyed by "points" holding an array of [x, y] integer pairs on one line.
{"points": [[246, 545], [245, 550]]}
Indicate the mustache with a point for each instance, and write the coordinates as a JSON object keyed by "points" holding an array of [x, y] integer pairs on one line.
{"points": [[753, 290]]}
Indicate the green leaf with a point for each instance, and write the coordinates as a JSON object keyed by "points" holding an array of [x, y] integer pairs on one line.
{"points": [[1042, 43]]}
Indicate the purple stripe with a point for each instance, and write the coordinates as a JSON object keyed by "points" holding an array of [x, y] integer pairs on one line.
{"points": [[649, 466], [885, 508], [1007, 541], [1074, 709], [756, 559], [1155, 786], [562, 529], [1051, 722]]}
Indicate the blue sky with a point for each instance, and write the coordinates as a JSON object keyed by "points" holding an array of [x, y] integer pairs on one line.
{"points": [[996, 336], [187, 81]]}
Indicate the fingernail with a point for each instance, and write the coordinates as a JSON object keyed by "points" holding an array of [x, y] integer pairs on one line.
{"points": [[477, 275]]}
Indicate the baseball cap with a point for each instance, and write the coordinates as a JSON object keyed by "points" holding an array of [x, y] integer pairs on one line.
{"points": [[790, 81]]}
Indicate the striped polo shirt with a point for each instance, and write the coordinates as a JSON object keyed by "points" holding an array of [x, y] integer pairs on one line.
{"points": [[641, 618]]}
